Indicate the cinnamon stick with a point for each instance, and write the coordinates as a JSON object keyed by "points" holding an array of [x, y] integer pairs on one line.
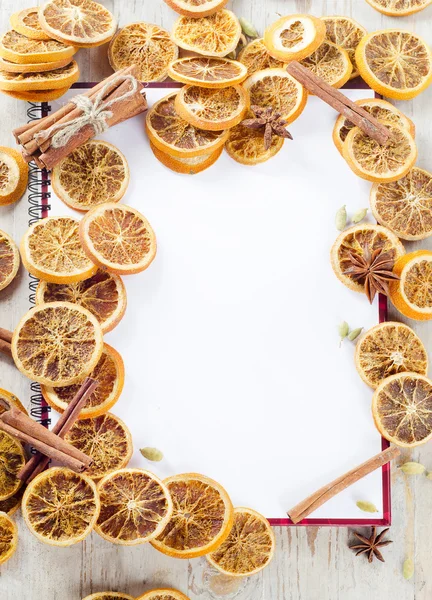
{"points": [[5, 335], [354, 113], [317, 499], [5, 341], [39, 462]]}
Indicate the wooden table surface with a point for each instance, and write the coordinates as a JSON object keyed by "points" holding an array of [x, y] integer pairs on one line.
{"points": [[310, 563]]}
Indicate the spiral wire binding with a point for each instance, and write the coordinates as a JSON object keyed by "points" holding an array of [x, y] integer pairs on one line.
{"points": [[37, 198]]}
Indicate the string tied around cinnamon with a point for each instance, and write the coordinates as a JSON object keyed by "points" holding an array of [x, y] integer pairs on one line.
{"points": [[95, 113]]}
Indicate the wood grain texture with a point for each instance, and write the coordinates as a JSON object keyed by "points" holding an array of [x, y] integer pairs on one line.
{"points": [[310, 564]]}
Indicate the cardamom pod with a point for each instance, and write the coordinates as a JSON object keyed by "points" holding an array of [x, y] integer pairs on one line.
{"points": [[429, 475], [412, 468], [343, 330], [353, 335], [366, 506], [408, 568], [359, 215], [248, 29], [152, 454], [341, 218]]}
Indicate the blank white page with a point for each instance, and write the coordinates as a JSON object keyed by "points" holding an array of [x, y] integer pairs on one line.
{"points": [[230, 341]]}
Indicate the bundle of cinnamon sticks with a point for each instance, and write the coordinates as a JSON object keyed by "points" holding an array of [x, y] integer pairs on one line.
{"points": [[117, 98]]}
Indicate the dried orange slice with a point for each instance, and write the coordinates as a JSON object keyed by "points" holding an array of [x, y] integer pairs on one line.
{"points": [[216, 35], [12, 504], [9, 260], [163, 594], [294, 37], [387, 349], [108, 596], [175, 136], [255, 57], [412, 294], [8, 537], [27, 23], [356, 240], [110, 375], [378, 108], [37, 95], [8, 401], [147, 46], [380, 163], [249, 547], [399, 8], [247, 146], [331, 63], [61, 507], [212, 110], [196, 8], [187, 166], [18, 48], [10, 67], [277, 89], [48, 80], [207, 72], [405, 205], [202, 518], [106, 439], [83, 23], [57, 344], [346, 33], [103, 294], [402, 409], [395, 63], [51, 250], [12, 459], [135, 507], [13, 175], [118, 238], [92, 174]]}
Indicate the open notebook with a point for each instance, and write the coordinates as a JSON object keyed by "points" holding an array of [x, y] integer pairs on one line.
{"points": [[233, 364]]}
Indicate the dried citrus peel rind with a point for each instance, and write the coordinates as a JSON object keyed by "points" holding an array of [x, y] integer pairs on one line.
{"points": [[294, 37], [8, 537], [9, 260]]}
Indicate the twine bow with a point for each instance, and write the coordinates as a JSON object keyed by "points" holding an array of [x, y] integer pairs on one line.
{"points": [[95, 113]]}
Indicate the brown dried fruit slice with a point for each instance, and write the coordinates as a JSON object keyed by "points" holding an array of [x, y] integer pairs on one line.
{"points": [[106, 439], [135, 507], [108, 596], [405, 205], [247, 146], [346, 33], [212, 110], [331, 63], [380, 163], [163, 594], [8, 401], [145, 45], [27, 23], [48, 80], [173, 135], [20, 49], [255, 57], [12, 504], [9, 260], [389, 348], [61, 507], [277, 89], [249, 547], [294, 37], [216, 35], [399, 8], [355, 240], [395, 63], [412, 294], [202, 518], [109, 373], [57, 344], [118, 238], [37, 95], [83, 23], [12, 459], [13, 175], [196, 8], [51, 250], [378, 108], [402, 409], [92, 174], [186, 166], [207, 72], [8, 537], [103, 294], [10, 67]]}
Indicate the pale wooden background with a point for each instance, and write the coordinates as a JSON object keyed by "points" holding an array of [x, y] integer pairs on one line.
{"points": [[310, 564]]}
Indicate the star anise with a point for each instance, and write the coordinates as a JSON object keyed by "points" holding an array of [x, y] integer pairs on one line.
{"points": [[374, 271], [269, 120], [371, 544]]}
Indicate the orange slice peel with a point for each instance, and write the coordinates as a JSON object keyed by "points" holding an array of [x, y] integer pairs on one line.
{"points": [[26, 22], [207, 72], [8, 537], [47, 80], [13, 175], [12, 459], [294, 37], [9, 260]]}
